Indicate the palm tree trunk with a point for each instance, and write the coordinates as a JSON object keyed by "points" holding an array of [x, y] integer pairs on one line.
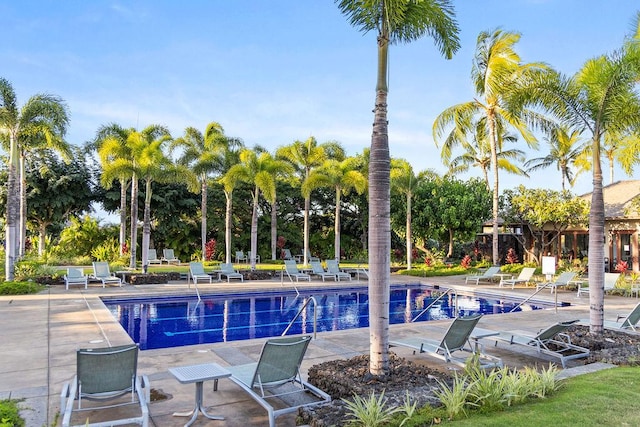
{"points": [[596, 246], [254, 228], [42, 236], [134, 220], [611, 170], [13, 204], [123, 214], [337, 226], [408, 227], [203, 219], [450, 251], [274, 230], [496, 193], [146, 224], [23, 207], [379, 223], [307, 208], [227, 226]]}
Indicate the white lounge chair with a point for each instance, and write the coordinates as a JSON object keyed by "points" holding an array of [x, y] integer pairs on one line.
{"points": [[318, 270], [153, 257], [75, 276], [105, 374], [562, 280], [524, 277], [241, 257], [249, 257], [197, 273], [276, 378], [227, 270], [286, 254], [610, 280], [487, 276], [334, 268], [291, 268], [169, 257], [102, 273]]}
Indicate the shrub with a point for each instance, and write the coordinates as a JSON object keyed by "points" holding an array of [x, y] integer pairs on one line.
{"points": [[10, 414], [369, 412], [20, 288]]}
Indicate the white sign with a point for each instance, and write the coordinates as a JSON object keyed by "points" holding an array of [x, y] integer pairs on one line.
{"points": [[548, 265]]}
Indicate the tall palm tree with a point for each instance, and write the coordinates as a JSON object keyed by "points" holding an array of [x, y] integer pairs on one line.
{"points": [[477, 151], [43, 117], [343, 176], [566, 150], [113, 151], [601, 97], [622, 148], [496, 70], [398, 21], [258, 169], [405, 181], [304, 157], [201, 154], [229, 156]]}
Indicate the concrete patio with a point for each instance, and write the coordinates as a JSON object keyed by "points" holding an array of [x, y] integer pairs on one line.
{"points": [[42, 332]]}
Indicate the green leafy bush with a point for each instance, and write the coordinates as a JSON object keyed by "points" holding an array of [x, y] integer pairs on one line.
{"points": [[20, 288], [10, 414]]}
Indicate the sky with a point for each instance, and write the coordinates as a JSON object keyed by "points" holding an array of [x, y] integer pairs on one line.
{"points": [[275, 71]]}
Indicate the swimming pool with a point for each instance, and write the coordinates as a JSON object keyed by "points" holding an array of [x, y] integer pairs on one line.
{"points": [[178, 321]]}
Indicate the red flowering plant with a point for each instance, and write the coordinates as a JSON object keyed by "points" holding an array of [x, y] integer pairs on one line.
{"points": [[512, 257], [428, 261], [622, 267], [209, 250], [466, 262]]}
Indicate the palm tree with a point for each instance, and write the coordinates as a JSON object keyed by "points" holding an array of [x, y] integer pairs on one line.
{"points": [[229, 156], [496, 70], [259, 169], [42, 118], [113, 152], [600, 98], [343, 176], [201, 154], [566, 150], [478, 151], [405, 181], [304, 157], [400, 21]]}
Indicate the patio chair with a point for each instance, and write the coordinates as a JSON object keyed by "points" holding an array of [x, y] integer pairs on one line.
{"points": [[456, 339], [487, 276], [75, 276], [610, 280], [105, 375], [241, 257], [249, 257], [102, 273], [629, 321], [286, 254], [550, 341], [276, 378], [562, 280], [153, 257], [227, 270], [169, 257], [334, 268], [197, 273], [524, 277], [291, 268], [318, 270]]}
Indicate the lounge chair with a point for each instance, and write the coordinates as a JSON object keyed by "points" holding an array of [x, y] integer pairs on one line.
{"points": [[169, 257], [241, 257], [334, 268], [102, 273], [276, 378], [197, 273], [105, 374], [562, 280], [550, 341], [524, 277], [152, 257], [249, 257], [610, 280], [318, 270], [629, 321], [291, 268], [487, 276], [456, 339], [75, 276], [286, 254], [227, 270]]}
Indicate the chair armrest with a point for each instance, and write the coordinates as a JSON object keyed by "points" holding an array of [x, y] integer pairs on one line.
{"points": [[63, 396], [146, 385]]}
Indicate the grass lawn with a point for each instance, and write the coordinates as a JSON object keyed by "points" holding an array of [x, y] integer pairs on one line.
{"points": [[606, 398]]}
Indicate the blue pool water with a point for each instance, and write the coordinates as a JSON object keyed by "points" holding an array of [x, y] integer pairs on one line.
{"points": [[177, 321]]}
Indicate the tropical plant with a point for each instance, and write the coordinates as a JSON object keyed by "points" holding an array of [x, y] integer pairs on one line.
{"points": [[369, 412], [496, 70], [394, 22], [230, 156], [42, 121]]}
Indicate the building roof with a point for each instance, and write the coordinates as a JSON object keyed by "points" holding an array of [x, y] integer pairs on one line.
{"points": [[618, 197]]}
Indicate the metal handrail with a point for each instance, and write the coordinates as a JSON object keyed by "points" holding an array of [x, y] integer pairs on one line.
{"points": [[432, 303], [531, 296], [315, 316]]}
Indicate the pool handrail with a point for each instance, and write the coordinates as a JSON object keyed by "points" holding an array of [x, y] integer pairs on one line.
{"points": [[315, 313], [531, 296], [435, 301]]}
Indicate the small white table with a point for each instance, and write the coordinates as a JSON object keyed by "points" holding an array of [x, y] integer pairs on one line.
{"points": [[198, 374]]}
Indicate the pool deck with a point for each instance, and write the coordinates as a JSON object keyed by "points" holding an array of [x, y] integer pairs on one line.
{"points": [[42, 332]]}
